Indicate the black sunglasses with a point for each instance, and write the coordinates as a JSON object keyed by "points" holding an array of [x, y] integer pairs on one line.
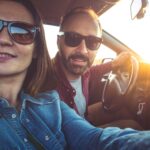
{"points": [[20, 32], [73, 39]]}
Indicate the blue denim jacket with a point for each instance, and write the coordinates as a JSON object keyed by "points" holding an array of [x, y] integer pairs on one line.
{"points": [[55, 126]]}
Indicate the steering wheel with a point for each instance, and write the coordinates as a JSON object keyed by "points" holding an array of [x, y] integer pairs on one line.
{"points": [[119, 84]]}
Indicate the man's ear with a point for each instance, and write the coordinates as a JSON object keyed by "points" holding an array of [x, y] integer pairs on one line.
{"points": [[58, 41]]}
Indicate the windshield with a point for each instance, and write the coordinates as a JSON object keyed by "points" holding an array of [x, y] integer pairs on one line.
{"points": [[117, 21], [134, 33]]}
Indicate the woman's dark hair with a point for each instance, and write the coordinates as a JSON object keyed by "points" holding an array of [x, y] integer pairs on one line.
{"points": [[40, 71]]}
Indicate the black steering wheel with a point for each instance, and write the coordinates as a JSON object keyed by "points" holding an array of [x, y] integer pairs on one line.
{"points": [[119, 84]]}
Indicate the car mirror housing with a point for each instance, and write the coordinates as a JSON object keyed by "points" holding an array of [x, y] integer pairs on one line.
{"points": [[138, 8]]}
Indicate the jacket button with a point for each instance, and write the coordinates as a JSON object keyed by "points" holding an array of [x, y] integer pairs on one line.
{"points": [[27, 120], [25, 140], [47, 138], [13, 116]]}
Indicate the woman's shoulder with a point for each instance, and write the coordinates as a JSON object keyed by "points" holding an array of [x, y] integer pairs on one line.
{"points": [[49, 95], [41, 98]]}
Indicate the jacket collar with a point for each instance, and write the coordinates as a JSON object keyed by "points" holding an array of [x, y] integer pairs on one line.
{"points": [[40, 99]]}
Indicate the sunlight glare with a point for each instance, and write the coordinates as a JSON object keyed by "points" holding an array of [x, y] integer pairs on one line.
{"points": [[134, 33], [117, 21]]}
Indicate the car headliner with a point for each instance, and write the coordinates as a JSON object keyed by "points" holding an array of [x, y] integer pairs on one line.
{"points": [[52, 10]]}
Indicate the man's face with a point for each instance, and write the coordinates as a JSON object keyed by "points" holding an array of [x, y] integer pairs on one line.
{"points": [[77, 59]]}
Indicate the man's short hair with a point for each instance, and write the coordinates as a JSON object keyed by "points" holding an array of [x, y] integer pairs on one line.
{"points": [[79, 10]]}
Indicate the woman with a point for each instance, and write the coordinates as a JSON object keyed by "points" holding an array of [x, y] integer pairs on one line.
{"points": [[30, 119]]}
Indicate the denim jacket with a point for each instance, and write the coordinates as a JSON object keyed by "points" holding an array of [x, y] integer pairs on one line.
{"points": [[55, 126]]}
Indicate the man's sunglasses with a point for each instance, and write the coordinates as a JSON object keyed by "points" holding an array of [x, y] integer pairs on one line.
{"points": [[20, 32], [73, 39]]}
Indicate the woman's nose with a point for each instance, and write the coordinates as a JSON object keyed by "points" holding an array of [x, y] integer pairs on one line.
{"points": [[5, 38]]}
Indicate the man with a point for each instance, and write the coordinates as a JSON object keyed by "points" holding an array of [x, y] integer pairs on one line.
{"points": [[79, 38]]}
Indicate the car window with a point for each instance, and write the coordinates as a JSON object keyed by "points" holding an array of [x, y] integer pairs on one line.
{"points": [[51, 39], [117, 21], [104, 52], [134, 33]]}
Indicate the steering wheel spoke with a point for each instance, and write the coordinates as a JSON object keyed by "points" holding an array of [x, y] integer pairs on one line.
{"points": [[119, 84]]}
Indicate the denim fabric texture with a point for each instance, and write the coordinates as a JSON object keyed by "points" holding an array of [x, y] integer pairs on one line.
{"points": [[55, 126]]}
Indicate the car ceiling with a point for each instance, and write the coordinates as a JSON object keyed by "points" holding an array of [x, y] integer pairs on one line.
{"points": [[52, 10]]}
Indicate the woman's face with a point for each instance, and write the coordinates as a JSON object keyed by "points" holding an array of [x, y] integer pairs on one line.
{"points": [[15, 58]]}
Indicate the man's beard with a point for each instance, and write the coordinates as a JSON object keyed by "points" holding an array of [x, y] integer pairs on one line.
{"points": [[72, 68]]}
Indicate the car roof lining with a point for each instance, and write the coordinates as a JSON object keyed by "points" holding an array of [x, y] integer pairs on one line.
{"points": [[52, 10]]}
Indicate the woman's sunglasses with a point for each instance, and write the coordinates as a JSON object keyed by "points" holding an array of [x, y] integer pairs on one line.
{"points": [[73, 39], [20, 32]]}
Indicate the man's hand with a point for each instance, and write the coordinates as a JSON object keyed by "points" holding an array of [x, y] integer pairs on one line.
{"points": [[121, 59]]}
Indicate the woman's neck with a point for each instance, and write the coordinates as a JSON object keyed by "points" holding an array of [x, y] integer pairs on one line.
{"points": [[10, 88]]}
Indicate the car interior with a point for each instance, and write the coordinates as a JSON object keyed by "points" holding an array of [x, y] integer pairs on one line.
{"points": [[124, 87]]}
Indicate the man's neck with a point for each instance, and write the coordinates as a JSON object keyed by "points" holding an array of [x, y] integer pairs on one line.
{"points": [[70, 76]]}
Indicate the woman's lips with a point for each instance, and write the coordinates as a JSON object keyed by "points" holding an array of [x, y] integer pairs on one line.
{"points": [[6, 56]]}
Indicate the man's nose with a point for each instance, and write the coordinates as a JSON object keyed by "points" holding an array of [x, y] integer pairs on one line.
{"points": [[82, 47]]}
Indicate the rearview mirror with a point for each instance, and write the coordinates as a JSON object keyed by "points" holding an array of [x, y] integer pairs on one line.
{"points": [[106, 60], [138, 8]]}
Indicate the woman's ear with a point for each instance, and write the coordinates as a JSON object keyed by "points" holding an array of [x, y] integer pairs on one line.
{"points": [[34, 53]]}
